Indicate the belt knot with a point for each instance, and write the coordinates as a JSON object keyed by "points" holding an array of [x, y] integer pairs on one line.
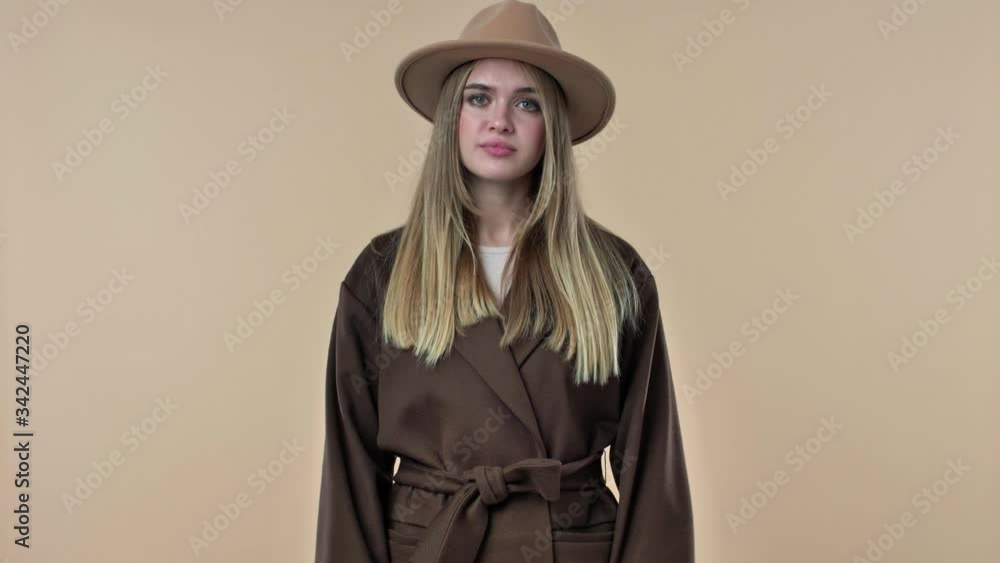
{"points": [[456, 533], [491, 483]]}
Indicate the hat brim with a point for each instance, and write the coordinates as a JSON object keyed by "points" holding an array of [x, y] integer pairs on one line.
{"points": [[590, 95]]}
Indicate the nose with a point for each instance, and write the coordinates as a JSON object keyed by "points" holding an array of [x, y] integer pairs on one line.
{"points": [[499, 120]]}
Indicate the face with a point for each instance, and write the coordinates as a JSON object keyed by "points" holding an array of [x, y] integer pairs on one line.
{"points": [[500, 106]]}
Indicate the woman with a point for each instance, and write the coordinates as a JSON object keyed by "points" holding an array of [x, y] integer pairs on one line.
{"points": [[498, 384]]}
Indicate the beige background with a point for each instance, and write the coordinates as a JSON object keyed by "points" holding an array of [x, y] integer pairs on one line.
{"points": [[652, 177]]}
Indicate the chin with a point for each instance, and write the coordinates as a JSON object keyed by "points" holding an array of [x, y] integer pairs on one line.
{"points": [[498, 177], [498, 171]]}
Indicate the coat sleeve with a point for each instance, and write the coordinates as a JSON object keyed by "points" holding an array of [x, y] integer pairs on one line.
{"points": [[356, 476], [655, 520]]}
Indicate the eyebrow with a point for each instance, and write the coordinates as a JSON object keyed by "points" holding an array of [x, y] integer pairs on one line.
{"points": [[488, 88]]}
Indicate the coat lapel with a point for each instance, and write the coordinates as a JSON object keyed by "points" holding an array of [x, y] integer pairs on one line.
{"points": [[524, 347], [500, 369]]}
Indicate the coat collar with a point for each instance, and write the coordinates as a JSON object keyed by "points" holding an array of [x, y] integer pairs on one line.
{"points": [[500, 368]]}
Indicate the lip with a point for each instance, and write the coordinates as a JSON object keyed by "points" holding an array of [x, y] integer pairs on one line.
{"points": [[497, 151], [497, 148]]}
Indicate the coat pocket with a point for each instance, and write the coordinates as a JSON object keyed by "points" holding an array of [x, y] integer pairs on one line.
{"points": [[582, 546], [403, 541]]}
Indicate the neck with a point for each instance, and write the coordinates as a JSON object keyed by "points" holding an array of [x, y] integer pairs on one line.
{"points": [[503, 205]]}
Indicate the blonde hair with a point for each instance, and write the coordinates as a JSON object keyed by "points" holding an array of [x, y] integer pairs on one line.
{"points": [[566, 272]]}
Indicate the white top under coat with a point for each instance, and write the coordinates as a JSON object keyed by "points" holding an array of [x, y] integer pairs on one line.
{"points": [[493, 259]]}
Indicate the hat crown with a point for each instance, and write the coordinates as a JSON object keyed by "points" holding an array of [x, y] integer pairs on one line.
{"points": [[511, 20]]}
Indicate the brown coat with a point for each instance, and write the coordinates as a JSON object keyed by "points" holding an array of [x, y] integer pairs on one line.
{"points": [[500, 452]]}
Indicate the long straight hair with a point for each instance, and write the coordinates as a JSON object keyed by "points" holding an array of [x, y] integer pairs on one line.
{"points": [[566, 273]]}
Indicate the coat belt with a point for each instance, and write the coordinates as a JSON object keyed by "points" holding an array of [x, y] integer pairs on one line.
{"points": [[456, 533]]}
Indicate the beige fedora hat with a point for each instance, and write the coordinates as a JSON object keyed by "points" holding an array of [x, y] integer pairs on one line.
{"points": [[512, 30]]}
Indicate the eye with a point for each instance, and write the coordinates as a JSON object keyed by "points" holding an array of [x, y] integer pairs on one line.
{"points": [[533, 103], [473, 97], [533, 106]]}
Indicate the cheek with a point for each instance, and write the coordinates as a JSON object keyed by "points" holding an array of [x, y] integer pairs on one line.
{"points": [[469, 131], [536, 136]]}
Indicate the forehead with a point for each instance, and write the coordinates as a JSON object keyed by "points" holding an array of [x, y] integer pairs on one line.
{"points": [[502, 73]]}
